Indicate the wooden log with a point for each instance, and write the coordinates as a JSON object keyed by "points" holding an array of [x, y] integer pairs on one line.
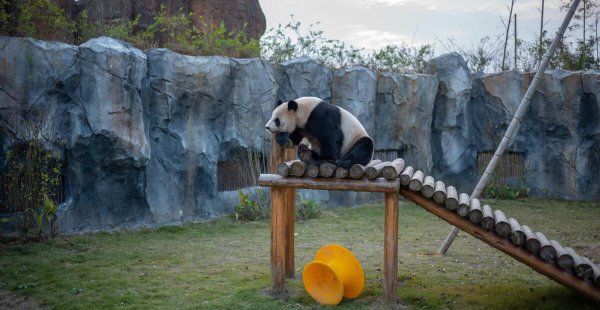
{"points": [[583, 266], [379, 185], [550, 270], [532, 244], [358, 171], [564, 259], [439, 193], [278, 249], [290, 213], [451, 202], [501, 224], [547, 251], [390, 248], [406, 175], [372, 172], [341, 172], [285, 169], [298, 168], [416, 182], [475, 213], [312, 170], [326, 170], [487, 220], [428, 187], [393, 169], [596, 275], [464, 204], [517, 236]]}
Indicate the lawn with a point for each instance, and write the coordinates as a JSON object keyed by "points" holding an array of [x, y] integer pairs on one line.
{"points": [[223, 264]]}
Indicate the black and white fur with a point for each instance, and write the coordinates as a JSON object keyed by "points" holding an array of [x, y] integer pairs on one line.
{"points": [[330, 132]]}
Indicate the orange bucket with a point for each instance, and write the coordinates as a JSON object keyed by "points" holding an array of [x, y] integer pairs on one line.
{"points": [[335, 273]]}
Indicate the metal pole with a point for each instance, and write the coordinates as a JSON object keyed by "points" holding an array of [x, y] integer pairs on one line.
{"points": [[516, 121]]}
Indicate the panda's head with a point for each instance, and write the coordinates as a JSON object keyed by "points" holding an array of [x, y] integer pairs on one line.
{"points": [[284, 118]]}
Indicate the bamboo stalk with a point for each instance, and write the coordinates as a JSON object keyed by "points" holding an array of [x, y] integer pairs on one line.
{"points": [[532, 244], [393, 169], [487, 221], [358, 171], [517, 236], [406, 175], [428, 187], [439, 195], [416, 182], [475, 213], [451, 202], [464, 204], [513, 128]]}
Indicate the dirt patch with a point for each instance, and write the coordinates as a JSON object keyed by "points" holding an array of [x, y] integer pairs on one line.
{"points": [[590, 250], [10, 301]]}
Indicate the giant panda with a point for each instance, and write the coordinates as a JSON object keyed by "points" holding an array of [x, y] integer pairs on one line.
{"points": [[332, 133]]}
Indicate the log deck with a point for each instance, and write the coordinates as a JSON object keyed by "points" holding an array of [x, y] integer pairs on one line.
{"points": [[525, 246]]}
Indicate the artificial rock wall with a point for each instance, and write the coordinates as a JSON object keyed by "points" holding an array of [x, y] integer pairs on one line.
{"points": [[142, 133]]}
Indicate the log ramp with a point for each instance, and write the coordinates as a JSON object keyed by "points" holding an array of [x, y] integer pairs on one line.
{"points": [[548, 257]]}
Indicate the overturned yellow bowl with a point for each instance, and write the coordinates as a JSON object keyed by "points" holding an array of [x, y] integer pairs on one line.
{"points": [[335, 273]]}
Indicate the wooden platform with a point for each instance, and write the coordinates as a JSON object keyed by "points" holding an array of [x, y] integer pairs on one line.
{"points": [[394, 178], [282, 223]]}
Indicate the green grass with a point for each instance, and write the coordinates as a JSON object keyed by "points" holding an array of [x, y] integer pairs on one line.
{"points": [[225, 265]]}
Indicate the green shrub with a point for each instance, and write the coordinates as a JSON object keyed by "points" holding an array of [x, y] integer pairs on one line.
{"points": [[307, 209], [251, 210], [496, 189]]}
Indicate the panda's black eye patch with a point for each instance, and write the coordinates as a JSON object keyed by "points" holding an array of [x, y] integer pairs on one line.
{"points": [[277, 122]]}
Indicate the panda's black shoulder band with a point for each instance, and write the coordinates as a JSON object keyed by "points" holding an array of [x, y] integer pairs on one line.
{"points": [[292, 105]]}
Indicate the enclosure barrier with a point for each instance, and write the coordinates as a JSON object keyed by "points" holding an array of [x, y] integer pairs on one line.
{"points": [[548, 257]]}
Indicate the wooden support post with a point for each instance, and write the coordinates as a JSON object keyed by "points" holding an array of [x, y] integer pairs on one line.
{"points": [[290, 210], [278, 222], [390, 248]]}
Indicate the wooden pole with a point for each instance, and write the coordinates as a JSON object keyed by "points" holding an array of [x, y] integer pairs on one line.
{"points": [[547, 251], [341, 172], [540, 49], [516, 43], [517, 236], [326, 170], [416, 182], [532, 244], [278, 236], [513, 128], [373, 172], [312, 170], [503, 67], [390, 248], [298, 168], [501, 224], [487, 222], [290, 215], [564, 259], [451, 202]]}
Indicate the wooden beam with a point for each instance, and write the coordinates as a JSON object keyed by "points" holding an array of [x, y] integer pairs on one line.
{"points": [[390, 248], [290, 216], [379, 185], [550, 270], [278, 223]]}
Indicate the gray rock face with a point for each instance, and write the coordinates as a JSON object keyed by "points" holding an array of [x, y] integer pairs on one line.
{"points": [[450, 129], [108, 149], [403, 114], [143, 134]]}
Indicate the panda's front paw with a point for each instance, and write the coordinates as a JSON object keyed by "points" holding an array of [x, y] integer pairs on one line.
{"points": [[304, 153], [283, 139]]}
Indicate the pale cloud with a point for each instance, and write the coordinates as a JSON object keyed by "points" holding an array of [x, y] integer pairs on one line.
{"points": [[373, 39]]}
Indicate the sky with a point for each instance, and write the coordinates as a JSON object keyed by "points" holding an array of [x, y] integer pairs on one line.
{"points": [[372, 24]]}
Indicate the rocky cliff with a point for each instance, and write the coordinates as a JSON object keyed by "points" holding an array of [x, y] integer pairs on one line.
{"points": [[144, 134]]}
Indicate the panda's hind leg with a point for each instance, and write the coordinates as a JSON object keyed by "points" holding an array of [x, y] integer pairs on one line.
{"points": [[360, 153]]}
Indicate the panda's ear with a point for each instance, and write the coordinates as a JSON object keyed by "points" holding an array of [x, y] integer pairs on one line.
{"points": [[279, 102], [292, 105]]}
